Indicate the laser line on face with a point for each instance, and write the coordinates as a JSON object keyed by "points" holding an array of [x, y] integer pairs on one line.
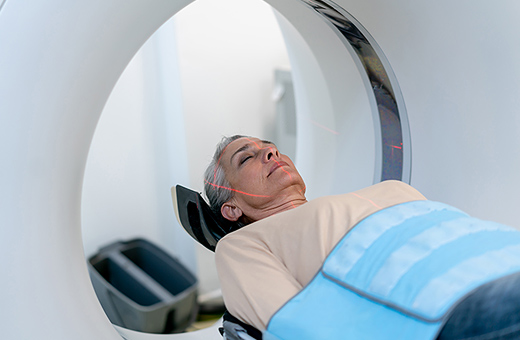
{"points": [[235, 190], [272, 151], [238, 191]]}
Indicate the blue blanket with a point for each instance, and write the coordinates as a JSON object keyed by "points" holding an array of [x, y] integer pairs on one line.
{"points": [[398, 274]]}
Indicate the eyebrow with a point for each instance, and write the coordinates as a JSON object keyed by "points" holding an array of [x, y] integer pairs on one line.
{"points": [[248, 146]]}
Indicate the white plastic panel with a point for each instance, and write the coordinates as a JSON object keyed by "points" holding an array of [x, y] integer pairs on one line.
{"points": [[335, 131], [58, 64], [458, 70]]}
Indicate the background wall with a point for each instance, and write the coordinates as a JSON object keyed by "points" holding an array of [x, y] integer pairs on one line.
{"points": [[206, 73], [228, 53], [139, 152]]}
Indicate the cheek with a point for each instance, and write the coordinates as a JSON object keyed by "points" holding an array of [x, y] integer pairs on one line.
{"points": [[293, 167], [253, 176], [289, 161], [247, 178]]}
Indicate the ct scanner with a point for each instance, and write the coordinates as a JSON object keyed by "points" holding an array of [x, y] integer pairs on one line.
{"points": [[454, 65]]}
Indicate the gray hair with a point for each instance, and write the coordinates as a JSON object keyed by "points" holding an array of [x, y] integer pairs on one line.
{"points": [[215, 183]]}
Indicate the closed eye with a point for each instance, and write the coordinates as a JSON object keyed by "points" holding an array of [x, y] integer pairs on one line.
{"points": [[245, 159]]}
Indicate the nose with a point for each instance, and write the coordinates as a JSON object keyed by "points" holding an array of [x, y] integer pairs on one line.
{"points": [[269, 153]]}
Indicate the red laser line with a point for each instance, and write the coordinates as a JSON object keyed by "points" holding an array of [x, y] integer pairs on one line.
{"points": [[230, 189], [366, 199], [252, 141], [281, 167], [267, 147], [242, 192], [324, 127], [218, 163], [259, 148]]}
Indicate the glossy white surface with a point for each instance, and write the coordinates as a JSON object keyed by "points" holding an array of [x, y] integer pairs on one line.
{"points": [[458, 71], [59, 62]]}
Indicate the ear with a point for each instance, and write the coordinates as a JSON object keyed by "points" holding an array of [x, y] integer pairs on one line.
{"points": [[230, 211]]}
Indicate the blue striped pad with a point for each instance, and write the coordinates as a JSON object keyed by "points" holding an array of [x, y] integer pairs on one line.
{"points": [[397, 274], [421, 257], [326, 310]]}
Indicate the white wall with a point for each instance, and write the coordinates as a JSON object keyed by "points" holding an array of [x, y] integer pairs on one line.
{"points": [[208, 72], [228, 51], [139, 152], [335, 131]]}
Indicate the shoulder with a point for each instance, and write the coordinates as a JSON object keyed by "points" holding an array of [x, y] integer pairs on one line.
{"points": [[344, 209], [390, 192], [379, 196], [239, 244]]}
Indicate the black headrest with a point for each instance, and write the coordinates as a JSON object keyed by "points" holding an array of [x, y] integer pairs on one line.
{"points": [[198, 219]]}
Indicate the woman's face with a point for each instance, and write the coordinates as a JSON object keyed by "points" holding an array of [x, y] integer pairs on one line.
{"points": [[259, 175]]}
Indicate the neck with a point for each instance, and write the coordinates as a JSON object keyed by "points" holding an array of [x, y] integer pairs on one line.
{"points": [[285, 205]]}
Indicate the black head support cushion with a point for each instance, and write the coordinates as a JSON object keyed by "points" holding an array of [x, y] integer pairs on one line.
{"points": [[197, 218]]}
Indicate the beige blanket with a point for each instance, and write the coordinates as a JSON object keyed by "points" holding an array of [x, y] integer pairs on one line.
{"points": [[265, 264]]}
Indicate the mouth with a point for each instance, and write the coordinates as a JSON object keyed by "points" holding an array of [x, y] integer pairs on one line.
{"points": [[277, 165]]}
